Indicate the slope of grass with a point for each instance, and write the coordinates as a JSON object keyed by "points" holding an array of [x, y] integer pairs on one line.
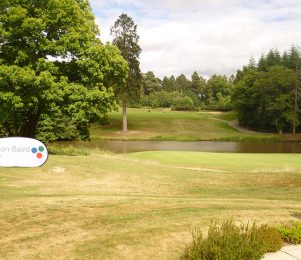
{"points": [[138, 206], [163, 124]]}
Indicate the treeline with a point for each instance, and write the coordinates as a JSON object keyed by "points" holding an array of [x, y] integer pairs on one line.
{"points": [[182, 93], [267, 93], [56, 77]]}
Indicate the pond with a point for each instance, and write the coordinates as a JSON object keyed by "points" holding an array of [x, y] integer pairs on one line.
{"points": [[202, 146]]}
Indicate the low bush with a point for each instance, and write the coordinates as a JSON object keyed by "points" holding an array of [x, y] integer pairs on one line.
{"points": [[291, 233], [272, 239], [226, 241]]}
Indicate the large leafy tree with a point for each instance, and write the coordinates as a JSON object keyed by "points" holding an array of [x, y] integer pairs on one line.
{"points": [[264, 99], [55, 74], [220, 84], [126, 38]]}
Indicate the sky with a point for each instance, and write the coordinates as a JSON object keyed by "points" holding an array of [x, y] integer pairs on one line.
{"points": [[207, 36]]}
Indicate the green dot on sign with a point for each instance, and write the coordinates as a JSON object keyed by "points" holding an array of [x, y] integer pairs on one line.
{"points": [[41, 148]]}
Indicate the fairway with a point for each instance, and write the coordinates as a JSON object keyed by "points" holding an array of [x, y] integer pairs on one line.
{"points": [[140, 205], [167, 125]]}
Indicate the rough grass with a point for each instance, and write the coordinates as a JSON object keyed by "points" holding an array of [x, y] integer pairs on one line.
{"points": [[138, 206], [163, 124]]}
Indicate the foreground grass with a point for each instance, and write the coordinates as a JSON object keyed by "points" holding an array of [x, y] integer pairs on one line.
{"points": [[141, 205], [169, 125]]}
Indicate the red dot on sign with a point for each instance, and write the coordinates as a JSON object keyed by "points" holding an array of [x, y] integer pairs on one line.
{"points": [[39, 155]]}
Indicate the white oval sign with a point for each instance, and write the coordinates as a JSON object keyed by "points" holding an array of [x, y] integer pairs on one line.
{"points": [[22, 152]]}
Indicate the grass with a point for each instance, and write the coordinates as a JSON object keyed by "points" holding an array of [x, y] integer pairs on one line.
{"points": [[163, 124], [140, 205]]}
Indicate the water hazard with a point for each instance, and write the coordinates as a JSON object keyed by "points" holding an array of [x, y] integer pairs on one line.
{"points": [[202, 146]]}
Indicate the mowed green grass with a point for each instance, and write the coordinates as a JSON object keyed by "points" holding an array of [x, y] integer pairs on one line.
{"points": [[140, 205], [163, 124]]}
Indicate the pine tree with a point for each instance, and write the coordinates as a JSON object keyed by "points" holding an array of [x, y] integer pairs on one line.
{"points": [[126, 39]]}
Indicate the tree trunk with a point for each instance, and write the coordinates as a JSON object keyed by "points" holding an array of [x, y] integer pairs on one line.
{"points": [[124, 121], [29, 128]]}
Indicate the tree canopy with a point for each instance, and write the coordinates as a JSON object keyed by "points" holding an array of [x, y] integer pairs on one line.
{"points": [[55, 74]]}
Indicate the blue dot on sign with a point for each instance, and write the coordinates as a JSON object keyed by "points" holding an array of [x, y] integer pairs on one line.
{"points": [[34, 150]]}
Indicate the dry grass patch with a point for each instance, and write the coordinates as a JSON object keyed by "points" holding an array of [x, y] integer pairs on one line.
{"points": [[104, 206]]}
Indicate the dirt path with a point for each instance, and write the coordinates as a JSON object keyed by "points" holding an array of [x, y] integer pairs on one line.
{"points": [[236, 126]]}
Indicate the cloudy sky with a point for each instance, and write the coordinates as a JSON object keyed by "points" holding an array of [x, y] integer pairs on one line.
{"points": [[207, 36]]}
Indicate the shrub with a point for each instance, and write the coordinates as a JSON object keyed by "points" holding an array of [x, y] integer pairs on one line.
{"points": [[226, 241], [291, 233], [271, 238], [159, 99], [183, 103]]}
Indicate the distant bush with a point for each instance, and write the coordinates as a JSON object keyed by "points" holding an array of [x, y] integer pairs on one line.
{"points": [[159, 99], [183, 104], [226, 241], [291, 233]]}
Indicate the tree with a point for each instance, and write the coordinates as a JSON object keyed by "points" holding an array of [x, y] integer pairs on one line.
{"points": [[168, 84], [273, 58], [126, 39], [150, 83], [252, 63], [244, 97], [262, 63], [289, 60], [294, 64], [264, 99], [276, 105], [219, 84], [52, 69], [172, 83], [285, 60], [197, 83], [182, 83]]}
